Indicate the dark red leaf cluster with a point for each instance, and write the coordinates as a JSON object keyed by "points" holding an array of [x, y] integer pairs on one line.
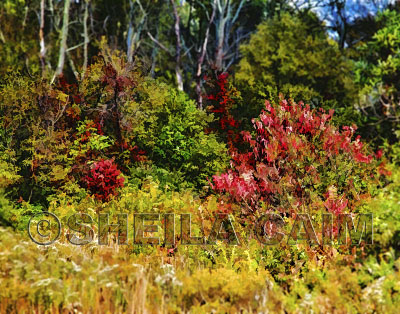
{"points": [[103, 179], [220, 104], [115, 81]]}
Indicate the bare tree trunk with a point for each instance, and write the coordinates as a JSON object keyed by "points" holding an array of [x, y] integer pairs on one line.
{"points": [[86, 37], [224, 26], [42, 54], [342, 27], [133, 37], [178, 67], [63, 40], [201, 58], [129, 39], [219, 52], [3, 40], [73, 67], [154, 56]]}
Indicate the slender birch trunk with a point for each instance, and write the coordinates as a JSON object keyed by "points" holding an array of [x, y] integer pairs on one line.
{"points": [[129, 39], [224, 26], [154, 56], [63, 40], [178, 66], [201, 59], [86, 37], [133, 37], [42, 54], [220, 29]]}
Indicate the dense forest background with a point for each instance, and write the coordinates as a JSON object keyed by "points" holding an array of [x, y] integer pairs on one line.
{"points": [[211, 108], [337, 54]]}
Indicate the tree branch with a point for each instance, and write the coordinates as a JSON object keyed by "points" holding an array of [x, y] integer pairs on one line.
{"points": [[159, 44]]}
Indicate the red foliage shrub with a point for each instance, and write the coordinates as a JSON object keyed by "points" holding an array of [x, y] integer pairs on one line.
{"points": [[103, 179], [220, 102], [298, 159]]}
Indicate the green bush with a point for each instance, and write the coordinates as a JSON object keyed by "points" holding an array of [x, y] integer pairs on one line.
{"points": [[377, 76], [53, 133], [294, 56]]}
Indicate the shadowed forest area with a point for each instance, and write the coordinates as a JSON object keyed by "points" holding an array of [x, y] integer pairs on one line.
{"points": [[274, 124]]}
